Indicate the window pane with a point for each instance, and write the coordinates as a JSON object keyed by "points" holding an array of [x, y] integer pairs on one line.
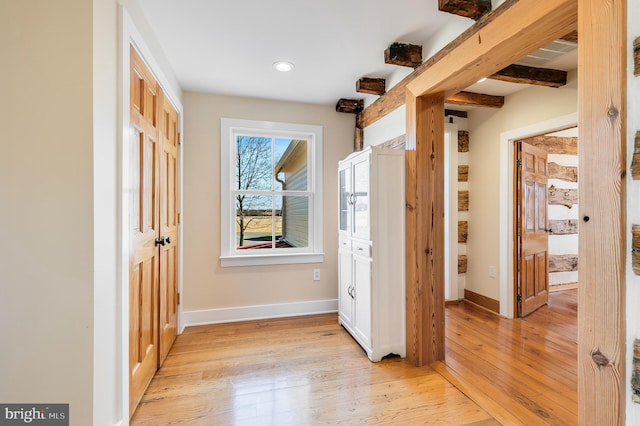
{"points": [[295, 222], [253, 163], [291, 165], [254, 221]]}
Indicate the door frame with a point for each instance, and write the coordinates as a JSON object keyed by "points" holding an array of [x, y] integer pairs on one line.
{"points": [[507, 203], [509, 33], [130, 35]]}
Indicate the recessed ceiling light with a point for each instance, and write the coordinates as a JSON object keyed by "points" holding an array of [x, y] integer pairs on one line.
{"points": [[482, 80], [283, 66]]}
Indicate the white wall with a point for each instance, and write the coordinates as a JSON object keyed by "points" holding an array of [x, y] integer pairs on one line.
{"points": [[106, 344], [524, 108], [59, 299], [633, 212], [46, 188], [211, 288], [394, 123]]}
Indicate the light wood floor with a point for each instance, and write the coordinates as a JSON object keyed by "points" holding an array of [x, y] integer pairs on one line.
{"points": [[308, 371], [523, 372]]}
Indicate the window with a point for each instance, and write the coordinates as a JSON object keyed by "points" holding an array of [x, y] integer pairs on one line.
{"points": [[271, 194]]}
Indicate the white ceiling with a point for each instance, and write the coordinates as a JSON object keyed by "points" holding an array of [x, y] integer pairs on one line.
{"points": [[229, 46]]}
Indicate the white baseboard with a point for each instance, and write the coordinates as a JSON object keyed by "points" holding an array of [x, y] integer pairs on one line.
{"points": [[245, 313]]}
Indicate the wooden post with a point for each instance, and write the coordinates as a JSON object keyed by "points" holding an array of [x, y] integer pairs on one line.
{"points": [[425, 229], [602, 88]]}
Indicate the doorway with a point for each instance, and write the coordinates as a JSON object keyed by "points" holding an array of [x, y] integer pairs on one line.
{"points": [[532, 242], [508, 270], [557, 233], [153, 227]]}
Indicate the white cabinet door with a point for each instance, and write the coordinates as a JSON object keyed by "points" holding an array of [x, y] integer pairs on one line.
{"points": [[362, 297], [345, 280], [361, 198]]}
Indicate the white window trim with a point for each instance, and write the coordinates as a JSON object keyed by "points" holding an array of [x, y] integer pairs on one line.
{"points": [[229, 255]]}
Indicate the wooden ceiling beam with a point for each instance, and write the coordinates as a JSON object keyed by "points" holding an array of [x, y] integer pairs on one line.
{"points": [[403, 54], [572, 37], [473, 9], [372, 86], [455, 113], [530, 75], [352, 106], [475, 100], [472, 41]]}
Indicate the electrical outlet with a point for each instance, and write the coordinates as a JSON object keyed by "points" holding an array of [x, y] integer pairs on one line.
{"points": [[492, 271], [316, 274]]}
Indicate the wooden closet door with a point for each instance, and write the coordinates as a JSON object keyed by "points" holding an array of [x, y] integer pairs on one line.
{"points": [[168, 228], [144, 260]]}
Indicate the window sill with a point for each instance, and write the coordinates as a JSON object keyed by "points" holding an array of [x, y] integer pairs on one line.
{"points": [[271, 259]]}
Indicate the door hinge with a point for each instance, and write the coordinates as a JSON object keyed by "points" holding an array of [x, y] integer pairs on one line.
{"points": [[519, 298], [178, 299], [518, 163], [178, 218], [179, 139]]}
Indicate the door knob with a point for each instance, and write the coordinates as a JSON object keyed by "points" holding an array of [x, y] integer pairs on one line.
{"points": [[168, 240], [159, 242]]}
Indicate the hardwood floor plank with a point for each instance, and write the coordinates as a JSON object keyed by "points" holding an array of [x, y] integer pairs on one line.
{"points": [[296, 371], [520, 371], [557, 362], [309, 371]]}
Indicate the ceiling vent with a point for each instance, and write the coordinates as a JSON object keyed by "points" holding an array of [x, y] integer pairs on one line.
{"points": [[548, 53]]}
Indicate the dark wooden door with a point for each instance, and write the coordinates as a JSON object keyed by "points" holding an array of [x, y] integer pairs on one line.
{"points": [[533, 258]]}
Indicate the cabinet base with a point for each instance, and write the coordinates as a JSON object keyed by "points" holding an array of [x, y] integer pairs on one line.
{"points": [[385, 352]]}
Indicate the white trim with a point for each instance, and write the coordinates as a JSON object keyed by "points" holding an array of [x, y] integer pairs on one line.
{"points": [[129, 34], [246, 313], [314, 134], [272, 259], [506, 200]]}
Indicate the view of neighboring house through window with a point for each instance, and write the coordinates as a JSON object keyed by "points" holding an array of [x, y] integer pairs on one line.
{"points": [[268, 213], [272, 191]]}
